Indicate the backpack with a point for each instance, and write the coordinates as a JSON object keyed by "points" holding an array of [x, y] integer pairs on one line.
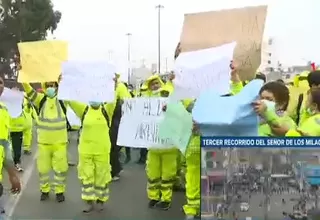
{"points": [[103, 111], [300, 99], [64, 109]]}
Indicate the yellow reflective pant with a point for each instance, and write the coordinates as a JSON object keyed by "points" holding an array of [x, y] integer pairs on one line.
{"points": [[161, 171], [94, 172], [55, 157], [193, 175], [181, 164], [27, 139]]}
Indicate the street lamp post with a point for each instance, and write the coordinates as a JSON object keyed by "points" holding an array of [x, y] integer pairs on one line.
{"points": [[110, 53], [129, 56], [159, 7]]}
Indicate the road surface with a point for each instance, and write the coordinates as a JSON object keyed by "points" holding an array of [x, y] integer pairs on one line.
{"points": [[128, 197], [276, 206]]}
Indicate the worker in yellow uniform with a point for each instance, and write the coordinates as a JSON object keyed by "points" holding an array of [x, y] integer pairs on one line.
{"points": [[272, 106], [6, 160], [52, 138], [298, 93], [161, 163], [27, 132], [94, 168], [193, 169], [311, 126], [17, 126]]}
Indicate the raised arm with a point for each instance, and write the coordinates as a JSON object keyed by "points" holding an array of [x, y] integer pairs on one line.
{"points": [[34, 96], [77, 107]]}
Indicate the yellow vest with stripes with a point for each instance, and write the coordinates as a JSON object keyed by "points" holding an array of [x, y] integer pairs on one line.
{"points": [[51, 123]]}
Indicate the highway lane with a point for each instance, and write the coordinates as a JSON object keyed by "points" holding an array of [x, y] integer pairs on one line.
{"points": [[128, 197]]}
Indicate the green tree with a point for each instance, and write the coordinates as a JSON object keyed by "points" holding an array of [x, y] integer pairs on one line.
{"points": [[24, 20]]}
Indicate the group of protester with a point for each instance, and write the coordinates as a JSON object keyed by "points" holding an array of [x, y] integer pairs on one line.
{"points": [[98, 157], [285, 110]]}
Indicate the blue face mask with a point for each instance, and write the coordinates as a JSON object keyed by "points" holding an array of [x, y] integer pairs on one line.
{"points": [[50, 92], [95, 104]]}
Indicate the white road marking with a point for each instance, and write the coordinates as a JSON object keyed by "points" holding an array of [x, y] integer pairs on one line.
{"points": [[13, 200]]}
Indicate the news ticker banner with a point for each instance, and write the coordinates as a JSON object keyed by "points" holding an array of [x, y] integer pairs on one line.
{"points": [[260, 142]]}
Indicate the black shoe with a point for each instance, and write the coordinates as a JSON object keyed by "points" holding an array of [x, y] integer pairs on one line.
{"points": [[27, 152], [71, 164], [153, 203], [163, 205], [44, 196], [60, 197], [141, 161]]}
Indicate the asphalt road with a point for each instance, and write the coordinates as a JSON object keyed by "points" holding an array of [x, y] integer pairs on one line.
{"points": [[276, 206], [128, 197]]}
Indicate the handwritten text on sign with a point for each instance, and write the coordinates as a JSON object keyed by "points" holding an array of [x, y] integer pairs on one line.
{"points": [[139, 125], [87, 81], [200, 70]]}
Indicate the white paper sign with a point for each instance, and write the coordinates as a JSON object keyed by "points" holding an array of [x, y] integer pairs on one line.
{"points": [[139, 124], [13, 100], [86, 81], [200, 70], [73, 118]]}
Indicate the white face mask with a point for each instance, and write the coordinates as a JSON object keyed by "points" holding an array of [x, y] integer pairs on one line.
{"points": [[271, 106]]}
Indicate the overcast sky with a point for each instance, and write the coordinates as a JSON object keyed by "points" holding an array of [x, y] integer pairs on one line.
{"points": [[96, 29]]}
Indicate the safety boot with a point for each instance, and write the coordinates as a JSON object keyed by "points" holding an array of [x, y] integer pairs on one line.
{"points": [[60, 197], [44, 196], [163, 205], [153, 203], [100, 205], [88, 207]]}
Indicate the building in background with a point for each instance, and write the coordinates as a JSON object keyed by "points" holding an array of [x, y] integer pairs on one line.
{"points": [[269, 60], [154, 67]]}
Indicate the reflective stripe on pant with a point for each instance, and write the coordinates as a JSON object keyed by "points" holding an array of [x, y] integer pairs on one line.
{"points": [[161, 171], [193, 184], [94, 172], [27, 139], [54, 156]]}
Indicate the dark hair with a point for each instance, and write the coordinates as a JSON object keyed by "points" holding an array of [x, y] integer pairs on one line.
{"points": [[280, 81], [314, 78], [261, 76], [315, 97], [280, 92]]}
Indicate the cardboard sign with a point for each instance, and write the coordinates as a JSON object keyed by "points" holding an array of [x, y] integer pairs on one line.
{"points": [[215, 28]]}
